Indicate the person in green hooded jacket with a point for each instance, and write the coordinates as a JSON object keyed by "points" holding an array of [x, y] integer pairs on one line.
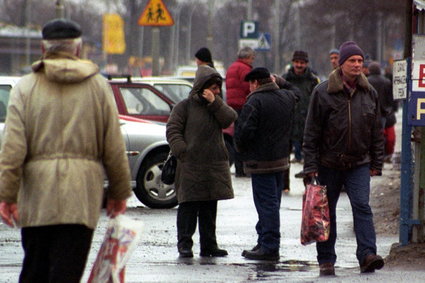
{"points": [[194, 132]]}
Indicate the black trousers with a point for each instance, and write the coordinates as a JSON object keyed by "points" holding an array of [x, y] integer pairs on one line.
{"points": [[187, 215], [55, 253]]}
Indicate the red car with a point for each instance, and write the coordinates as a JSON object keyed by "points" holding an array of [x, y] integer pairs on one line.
{"points": [[141, 100]]}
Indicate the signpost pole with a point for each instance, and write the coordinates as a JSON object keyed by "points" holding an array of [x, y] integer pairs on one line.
{"points": [[155, 51], [406, 171]]}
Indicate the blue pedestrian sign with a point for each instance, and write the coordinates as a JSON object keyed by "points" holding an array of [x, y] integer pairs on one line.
{"points": [[264, 42]]}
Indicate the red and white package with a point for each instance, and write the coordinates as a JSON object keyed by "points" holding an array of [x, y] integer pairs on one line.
{"points": [[121, 239]]}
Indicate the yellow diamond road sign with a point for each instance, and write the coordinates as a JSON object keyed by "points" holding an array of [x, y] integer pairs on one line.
{"points": [[155, 14]]}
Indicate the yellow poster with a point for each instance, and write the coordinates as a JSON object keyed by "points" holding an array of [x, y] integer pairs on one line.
{"points": [[155, 14], [113, 34]]}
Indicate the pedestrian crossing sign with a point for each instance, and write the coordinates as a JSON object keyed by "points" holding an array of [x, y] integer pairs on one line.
{"points": [[155, 14], [264, 42]]}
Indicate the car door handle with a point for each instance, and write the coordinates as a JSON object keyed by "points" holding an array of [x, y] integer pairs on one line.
{"points": [[132, 152]]}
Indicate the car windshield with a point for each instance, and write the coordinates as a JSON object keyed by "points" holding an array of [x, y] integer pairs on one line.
{"points": [[176, 92], [4, 100], [142, 101]]}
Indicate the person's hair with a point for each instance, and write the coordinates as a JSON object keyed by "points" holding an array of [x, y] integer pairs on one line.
{"points": [[374, 68], [69, 45], [214, 80], [264, 81], [245, 52]]}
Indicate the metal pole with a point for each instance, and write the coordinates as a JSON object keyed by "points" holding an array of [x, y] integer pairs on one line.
{"points": [[408, 29], [406, 150], [189, 35], [27, 31], [276, 37], [406, 170], [209, 34], [59, 9], [249, 11], [155, 51], [142, 32], [176, 61]]}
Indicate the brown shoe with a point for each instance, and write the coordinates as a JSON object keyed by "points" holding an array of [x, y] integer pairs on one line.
{"points": [[327, 269], [370, 263]]}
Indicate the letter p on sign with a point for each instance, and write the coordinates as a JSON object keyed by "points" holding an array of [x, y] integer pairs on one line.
{"points": [[419, 109], [249, 29]]}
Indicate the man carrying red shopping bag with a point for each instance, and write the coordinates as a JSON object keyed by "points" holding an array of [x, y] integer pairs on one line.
{"points": [[343, 146]]}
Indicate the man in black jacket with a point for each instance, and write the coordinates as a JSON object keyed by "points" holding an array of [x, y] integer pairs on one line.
{"points": [[262, 137], [384, 88], [343, 146], [301, 76]]}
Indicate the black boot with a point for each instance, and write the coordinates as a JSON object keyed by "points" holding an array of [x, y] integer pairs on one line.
{"points": [[207, 218], [185, 252], [257, 247], [186, 225], [215, 252], [261, 255]]}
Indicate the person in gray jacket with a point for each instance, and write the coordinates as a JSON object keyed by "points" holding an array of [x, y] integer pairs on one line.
{"points": [[194, 132]]}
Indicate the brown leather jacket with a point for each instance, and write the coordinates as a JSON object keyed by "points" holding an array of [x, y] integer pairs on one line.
{"points": [[343, 130]]}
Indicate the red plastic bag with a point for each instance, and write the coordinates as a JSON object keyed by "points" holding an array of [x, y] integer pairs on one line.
{"points": [[315, 225], [120, 240]]}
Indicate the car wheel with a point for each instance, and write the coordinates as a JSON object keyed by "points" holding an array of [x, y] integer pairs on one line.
{"points": [[150, 190], [231, 151]]}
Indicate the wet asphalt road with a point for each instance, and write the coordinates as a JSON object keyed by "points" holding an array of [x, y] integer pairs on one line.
{"points": [[156, 258]]}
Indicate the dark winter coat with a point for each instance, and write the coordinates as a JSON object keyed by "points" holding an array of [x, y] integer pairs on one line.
{"points": [[194, 132], [237, 89], [263, 130], [305, 83], [384, 89], [343, 130]]}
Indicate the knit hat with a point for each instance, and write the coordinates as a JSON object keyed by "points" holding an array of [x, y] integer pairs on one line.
{"points": [[257, 73], [348, 49], [300, 55], [333, 51], [204, 55], [61, 29]]}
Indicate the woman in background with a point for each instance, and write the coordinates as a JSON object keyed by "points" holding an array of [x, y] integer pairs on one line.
{"points": [[194, 132]]}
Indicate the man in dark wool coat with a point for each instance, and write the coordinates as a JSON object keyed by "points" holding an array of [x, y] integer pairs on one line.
{"points": [[262, 137]]}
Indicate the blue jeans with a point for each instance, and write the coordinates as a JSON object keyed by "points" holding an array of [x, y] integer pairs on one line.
{"points": [[267, 191], [357, 185]]}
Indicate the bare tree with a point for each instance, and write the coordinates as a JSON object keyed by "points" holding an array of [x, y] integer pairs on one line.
{"points": [[375, 25], [315, 26]]}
